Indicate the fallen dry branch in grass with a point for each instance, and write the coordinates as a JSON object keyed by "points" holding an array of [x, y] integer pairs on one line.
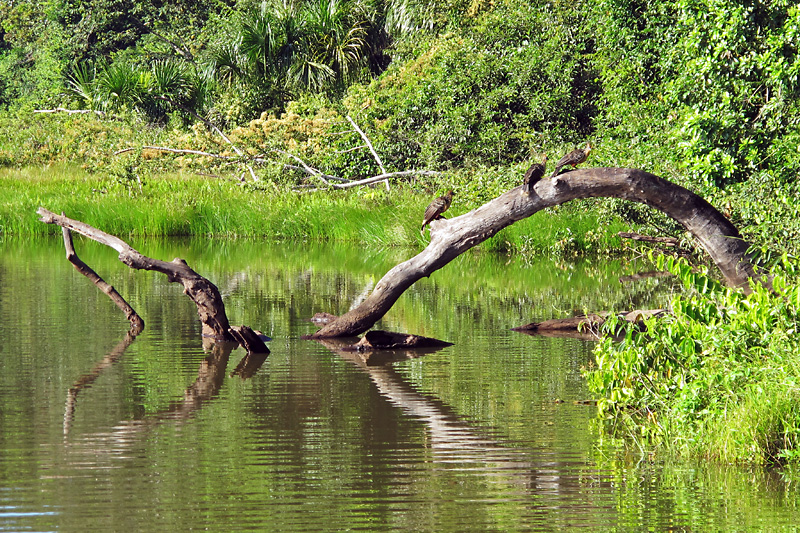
{"points": [[371, 148], [210, 125], [182, 151], [70, 111], [302, 166]]}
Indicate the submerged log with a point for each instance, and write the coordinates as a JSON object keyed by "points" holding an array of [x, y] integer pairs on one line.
{"points": [[645, 275], [666, 241], [252, 341], [452, 237], [583, 326], [385, 347], [388, 340]]}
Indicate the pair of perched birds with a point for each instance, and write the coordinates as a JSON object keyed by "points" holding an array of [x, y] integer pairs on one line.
{"points": [[536, 171], [533, 175]]}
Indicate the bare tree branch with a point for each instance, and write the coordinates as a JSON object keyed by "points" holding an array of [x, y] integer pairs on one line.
{"points": [[202, 292], [371, 148], [385, 177], [309, 170], [137, 324]]}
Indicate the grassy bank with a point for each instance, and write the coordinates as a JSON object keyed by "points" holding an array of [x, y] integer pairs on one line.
{"points": [[183, 204]]}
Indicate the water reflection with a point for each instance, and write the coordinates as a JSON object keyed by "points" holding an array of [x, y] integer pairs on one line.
{"points": [[158, 434], [86, 380]]}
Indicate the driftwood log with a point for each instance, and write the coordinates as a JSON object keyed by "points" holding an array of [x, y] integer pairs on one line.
{"points": [[451, 237], [666, 241], [389, 340], [585, 327], [202, 292]]}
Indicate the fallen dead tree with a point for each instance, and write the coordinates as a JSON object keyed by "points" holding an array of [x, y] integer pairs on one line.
{"points": [[204, 294], [451, 237]]}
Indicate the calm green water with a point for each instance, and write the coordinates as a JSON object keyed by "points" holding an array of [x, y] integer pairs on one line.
{"points": [[99, 432]]}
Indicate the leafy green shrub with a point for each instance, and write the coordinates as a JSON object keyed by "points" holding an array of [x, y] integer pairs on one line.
{"points": [[712, 377], [485, 95]]}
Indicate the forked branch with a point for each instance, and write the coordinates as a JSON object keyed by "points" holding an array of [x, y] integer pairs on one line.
{"points": [[202, 292]]}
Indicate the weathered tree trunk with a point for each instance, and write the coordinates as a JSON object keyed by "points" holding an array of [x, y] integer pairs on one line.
{"points": [[202, 292], [451, 237]]}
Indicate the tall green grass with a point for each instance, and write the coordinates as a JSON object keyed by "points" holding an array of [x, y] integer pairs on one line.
{"points": [[181, 204]]}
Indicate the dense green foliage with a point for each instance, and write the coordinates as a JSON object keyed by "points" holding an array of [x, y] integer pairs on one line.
{"points": [[718, 376], [703, 92]]}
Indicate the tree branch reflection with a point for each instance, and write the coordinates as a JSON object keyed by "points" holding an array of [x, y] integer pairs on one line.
{"points": [[86, 380], [452, 439], [210, 376]]}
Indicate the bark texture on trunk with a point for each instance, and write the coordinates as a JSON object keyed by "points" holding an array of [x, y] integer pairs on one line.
{"points": [[451, 237]]}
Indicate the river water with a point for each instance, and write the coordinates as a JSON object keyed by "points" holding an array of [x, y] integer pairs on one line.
{"points": [[105, 432]]}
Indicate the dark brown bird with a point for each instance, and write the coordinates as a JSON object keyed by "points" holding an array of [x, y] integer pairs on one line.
{"points": [[534, 174], [435, 210], [574, 158]]}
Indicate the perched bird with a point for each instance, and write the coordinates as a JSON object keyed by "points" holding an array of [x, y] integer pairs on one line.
{"points": [[435, 210], [574, 158], [533, 175]]}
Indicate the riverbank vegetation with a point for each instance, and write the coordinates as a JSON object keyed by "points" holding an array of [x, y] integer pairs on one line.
{"points": [[717, 377], [704, 93]]}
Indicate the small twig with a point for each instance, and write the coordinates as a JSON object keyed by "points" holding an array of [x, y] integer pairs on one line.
{"points": [[371, 148]]}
